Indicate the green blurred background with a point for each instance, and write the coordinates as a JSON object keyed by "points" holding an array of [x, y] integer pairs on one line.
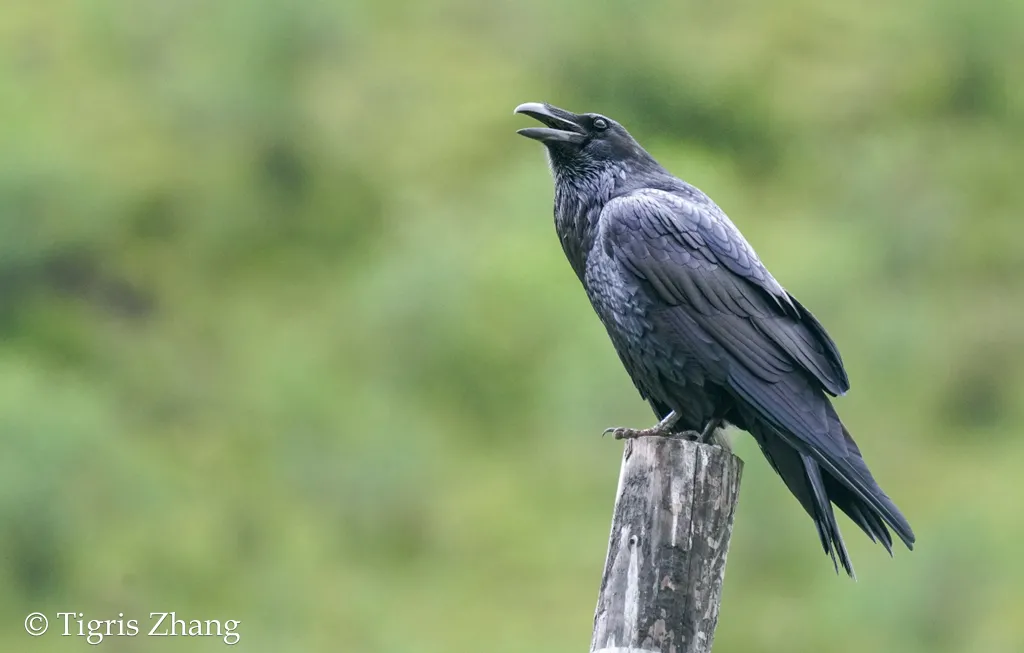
{"points": [[286, 335]]}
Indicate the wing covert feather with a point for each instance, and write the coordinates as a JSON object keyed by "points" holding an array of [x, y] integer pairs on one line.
{"points": [[695, 258]]}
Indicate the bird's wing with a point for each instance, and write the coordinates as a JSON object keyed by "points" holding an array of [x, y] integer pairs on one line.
{"points": [[698, 263]]}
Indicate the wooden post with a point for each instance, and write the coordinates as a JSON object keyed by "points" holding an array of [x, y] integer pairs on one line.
{"points": [[670, 535]]}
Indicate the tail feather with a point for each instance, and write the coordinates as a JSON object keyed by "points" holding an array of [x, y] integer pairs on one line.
{"points": [[802, 476], [860, 513], [846, 483], [852, 474], [825, 518]]}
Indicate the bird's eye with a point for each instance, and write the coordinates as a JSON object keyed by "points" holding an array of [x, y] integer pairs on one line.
{"points": [[600, 124]]}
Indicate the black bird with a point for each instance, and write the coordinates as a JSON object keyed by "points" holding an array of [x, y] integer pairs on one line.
{"points": [[708, 336]]}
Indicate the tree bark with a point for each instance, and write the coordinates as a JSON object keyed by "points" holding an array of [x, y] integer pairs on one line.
{"points": [[670, 535]]}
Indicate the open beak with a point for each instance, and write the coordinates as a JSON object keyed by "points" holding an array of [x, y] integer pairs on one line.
{"points": [[562, 126]]}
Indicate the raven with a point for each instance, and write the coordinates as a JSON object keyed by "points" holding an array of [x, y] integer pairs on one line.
{"points": [[706, 333]]}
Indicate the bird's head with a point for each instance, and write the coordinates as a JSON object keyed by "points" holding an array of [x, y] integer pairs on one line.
{"points": [[582, 142]]}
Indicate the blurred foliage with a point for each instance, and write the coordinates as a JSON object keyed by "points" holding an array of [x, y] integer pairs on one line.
{"points": [[286, 335]]}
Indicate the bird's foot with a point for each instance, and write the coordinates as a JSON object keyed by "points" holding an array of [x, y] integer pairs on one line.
{"points": [[707, 436], [626, 433], [692, 436], [661, 429]]}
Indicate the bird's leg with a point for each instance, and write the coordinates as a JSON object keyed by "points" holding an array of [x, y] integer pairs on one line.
{"points": [[662, 428], [709, 430]]}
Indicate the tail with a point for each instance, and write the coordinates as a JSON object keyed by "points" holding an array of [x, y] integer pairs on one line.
{"points": [[818, 483]]}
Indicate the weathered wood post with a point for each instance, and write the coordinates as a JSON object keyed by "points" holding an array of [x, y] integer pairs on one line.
{"points": [[670, 535]]}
